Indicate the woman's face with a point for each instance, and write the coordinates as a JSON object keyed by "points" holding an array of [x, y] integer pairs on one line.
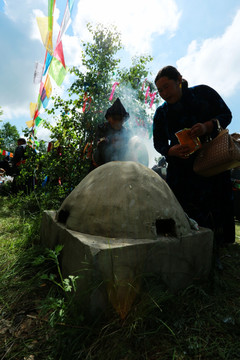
{"points": [[169, 90]]}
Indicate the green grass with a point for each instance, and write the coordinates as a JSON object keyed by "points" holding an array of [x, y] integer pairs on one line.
{"points": [[201, 322]]}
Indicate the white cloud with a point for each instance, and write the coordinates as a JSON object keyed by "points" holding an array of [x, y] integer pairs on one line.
{"points": [[19, 11], [215, 61], [17, 64], [43, 134], [72, 50], [137, 20], [21, 44]]}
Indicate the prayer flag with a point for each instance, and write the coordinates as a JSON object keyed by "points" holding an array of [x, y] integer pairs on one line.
{"points": [[152, 96], [57, 71], [5, 152], [36, 114], [86, 99], [43, 27], [47, 62], [146, 95], [51, 5], [48, 86], [43, 94], [58, 53], [66, 20], [38, 121], [113, 90], [46, 34], [39, 103], [70, 4], [45, 102], [30, 123], [38, 72], [33, 107]]}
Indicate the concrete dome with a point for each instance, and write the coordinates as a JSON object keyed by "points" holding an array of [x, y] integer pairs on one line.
{"points": [[124, 200]]}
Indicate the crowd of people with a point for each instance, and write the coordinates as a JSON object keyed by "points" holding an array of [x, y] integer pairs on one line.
{"points": [[207, 200]]}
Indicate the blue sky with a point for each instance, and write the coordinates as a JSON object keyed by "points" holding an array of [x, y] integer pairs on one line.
{"points": [[200, 37]]}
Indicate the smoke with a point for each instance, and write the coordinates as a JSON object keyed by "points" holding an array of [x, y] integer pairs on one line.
{"points": [[140, 122]]}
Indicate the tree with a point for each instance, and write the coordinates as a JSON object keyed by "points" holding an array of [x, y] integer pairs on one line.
{"points": [[77, 117], [8, 137]]}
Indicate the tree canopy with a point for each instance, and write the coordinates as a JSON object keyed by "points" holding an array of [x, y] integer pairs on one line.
{"points": [[74, 120], [8, 136]]}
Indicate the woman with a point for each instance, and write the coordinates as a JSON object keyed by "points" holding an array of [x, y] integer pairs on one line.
{"points": [[207, 200]]}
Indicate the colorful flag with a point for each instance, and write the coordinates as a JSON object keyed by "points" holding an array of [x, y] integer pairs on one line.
{"points": [[66, 20], [38, 72], [86, 99], [45, 102], [51, 5], [113, 90], [30, 123], [38, 121], [58, 53], [43, 94], [48, 86], [33, 107], [146, 95], [152, 96], [46, 34], [39, 103], [47, 62], [57, 71]]}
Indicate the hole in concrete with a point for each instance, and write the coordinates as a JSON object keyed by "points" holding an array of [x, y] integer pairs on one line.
{"points": [[165, 227], [62, 216]]}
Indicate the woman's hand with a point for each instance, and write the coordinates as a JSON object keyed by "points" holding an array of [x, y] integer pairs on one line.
{"points": [[180, 151], [201, 129], [198, 129]]}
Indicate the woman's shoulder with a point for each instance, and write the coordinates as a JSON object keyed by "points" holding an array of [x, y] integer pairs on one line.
{"points": [[201, 89], [162, 108], [160, 113]]}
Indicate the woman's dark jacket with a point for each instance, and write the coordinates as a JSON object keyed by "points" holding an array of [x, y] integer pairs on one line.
{"points": [[207, 200]]}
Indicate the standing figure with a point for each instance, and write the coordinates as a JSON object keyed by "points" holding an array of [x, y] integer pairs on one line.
{"points": [[209, 201], [18, 161], [111, 136], [19, 156]]}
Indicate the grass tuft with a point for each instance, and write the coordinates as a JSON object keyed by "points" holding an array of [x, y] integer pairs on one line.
{"points": [[39, 321]]}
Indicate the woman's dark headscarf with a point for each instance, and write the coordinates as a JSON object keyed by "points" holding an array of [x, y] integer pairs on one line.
{"points": [[117, 108]]}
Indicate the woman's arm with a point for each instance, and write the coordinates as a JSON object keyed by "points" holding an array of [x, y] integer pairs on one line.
{"points": [[160, 137], [218, 110]]}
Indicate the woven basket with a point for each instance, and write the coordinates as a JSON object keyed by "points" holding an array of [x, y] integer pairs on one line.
{"points": [[218, 155]]}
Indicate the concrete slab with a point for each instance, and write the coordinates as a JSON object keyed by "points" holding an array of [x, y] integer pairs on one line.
{"points": [[111, 270], [120, 224]]}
